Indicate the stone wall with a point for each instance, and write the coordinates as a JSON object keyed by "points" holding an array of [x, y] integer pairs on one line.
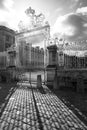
{"points": [[74, 79]]}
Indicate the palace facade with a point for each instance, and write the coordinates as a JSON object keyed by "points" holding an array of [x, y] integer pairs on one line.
{"points": [[7, 39], [7, 54]]}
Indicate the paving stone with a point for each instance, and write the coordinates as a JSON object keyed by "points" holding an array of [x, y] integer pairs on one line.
{"points": [[21, 112], [16, 128], [11, 127], [5, 127], [45, 127], [24, 126], [25, 120], [12, 121], [2, 125]]}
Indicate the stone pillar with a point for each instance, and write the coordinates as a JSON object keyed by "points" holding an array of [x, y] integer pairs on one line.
{"points": [[84, 61], [52, 64], [55, 84], [50, 76], [52, 54], [0, 78], [60, 82], [39, 81], [80, 84], [9, 76], [61, 59], [78, 62], [45, 55]]}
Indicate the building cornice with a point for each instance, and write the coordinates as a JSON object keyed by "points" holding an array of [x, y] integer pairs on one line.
{"points": [[7, 29]]}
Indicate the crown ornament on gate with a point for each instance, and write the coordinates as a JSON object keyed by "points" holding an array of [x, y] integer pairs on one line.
{"points": [[30, 12], [37, 20]]}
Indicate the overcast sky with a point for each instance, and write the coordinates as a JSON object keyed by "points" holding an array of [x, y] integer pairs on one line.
{"points": [[68, 18]]}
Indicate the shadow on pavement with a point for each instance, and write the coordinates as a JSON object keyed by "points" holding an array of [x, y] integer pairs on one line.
{"points": [[6, 90], [37, 111], [77, 102], [42, 91]]}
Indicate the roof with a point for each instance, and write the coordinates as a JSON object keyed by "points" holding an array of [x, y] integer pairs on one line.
{"points": [[6, 29]]}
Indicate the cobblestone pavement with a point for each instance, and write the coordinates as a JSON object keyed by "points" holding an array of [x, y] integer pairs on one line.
{"points": [[32, 109]]}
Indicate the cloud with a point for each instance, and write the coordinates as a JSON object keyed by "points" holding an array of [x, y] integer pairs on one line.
{"points": [[82, 10], [4, 18], [6, 4], [2, 4], [11, 18], [73, 3], [58, 9], [72, 26], [76, 0], [7, 14], [4, 24]]}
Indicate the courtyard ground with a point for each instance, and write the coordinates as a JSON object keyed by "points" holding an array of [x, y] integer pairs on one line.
{"points": [[77, 102], [33, 108]]}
